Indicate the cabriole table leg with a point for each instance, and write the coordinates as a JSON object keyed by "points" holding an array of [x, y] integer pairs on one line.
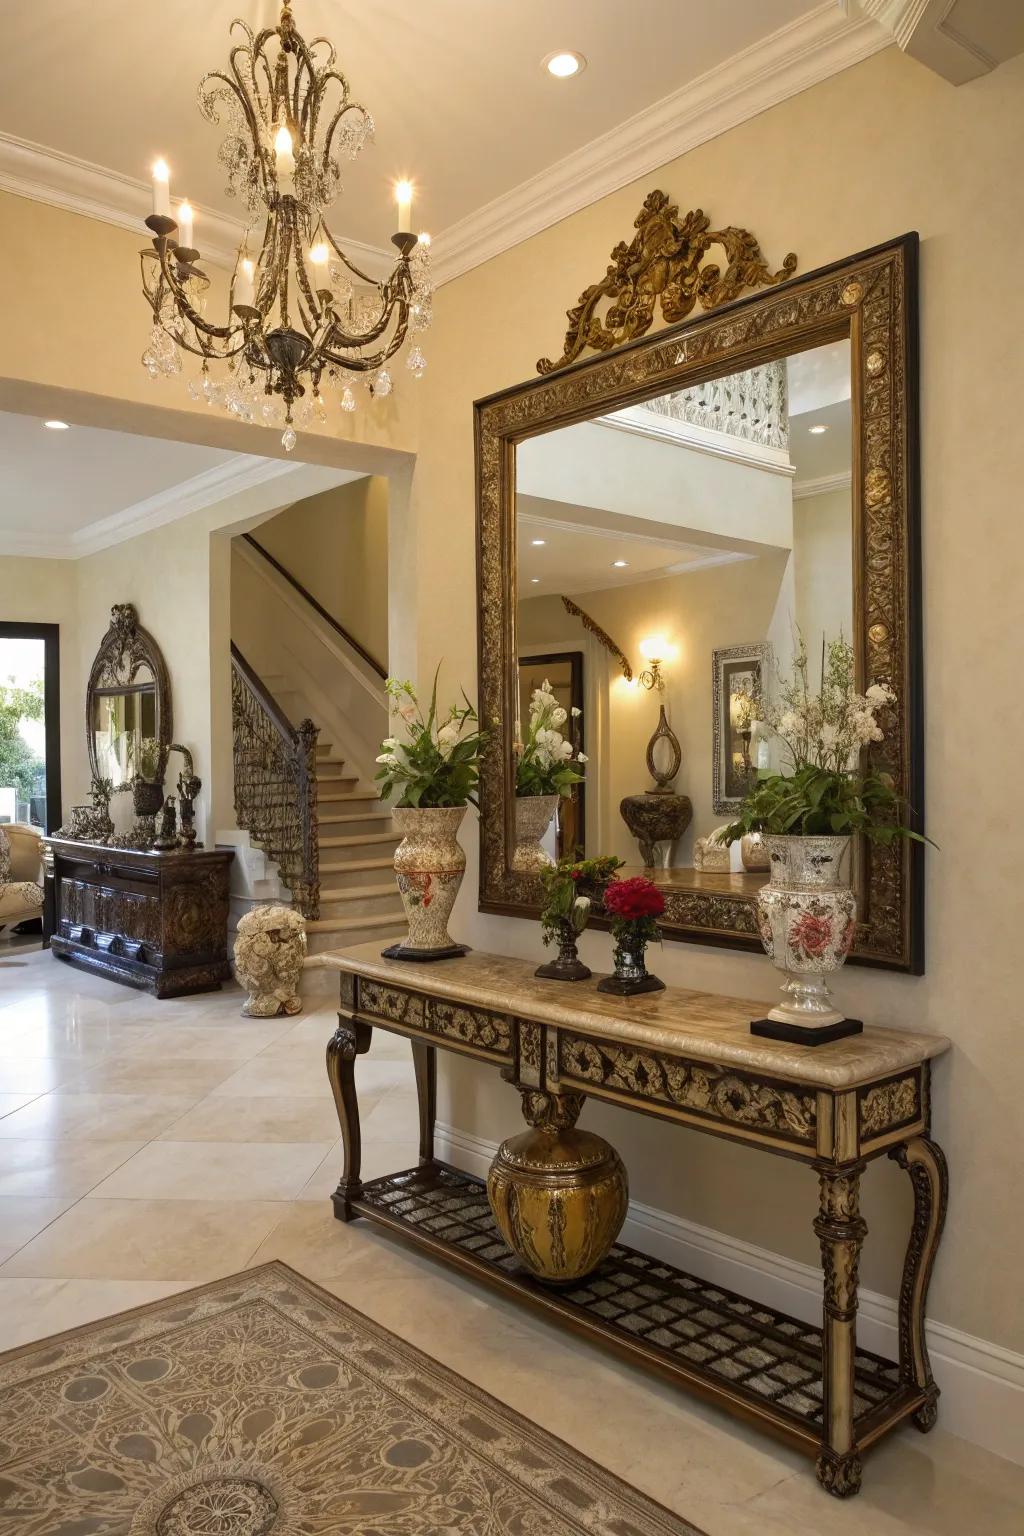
{"points": [[926, 1165], [350, 1039], [840, 1229]]}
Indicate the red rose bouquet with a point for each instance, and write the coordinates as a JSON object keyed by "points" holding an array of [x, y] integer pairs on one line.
{"points": [[634, 907]]}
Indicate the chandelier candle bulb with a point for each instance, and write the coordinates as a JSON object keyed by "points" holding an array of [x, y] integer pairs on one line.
{"points": [[161, 190], [284, 161], [403, 195], [245, 284], [185, 226]]}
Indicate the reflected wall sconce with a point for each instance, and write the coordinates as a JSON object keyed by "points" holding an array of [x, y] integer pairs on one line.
{"points": [[655, 650]]}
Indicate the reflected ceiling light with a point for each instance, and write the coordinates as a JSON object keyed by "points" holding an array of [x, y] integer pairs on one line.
{"points": [[538, 541], [818, 430], [56, 426], [534, 580], [619, 563], [564, 64]]}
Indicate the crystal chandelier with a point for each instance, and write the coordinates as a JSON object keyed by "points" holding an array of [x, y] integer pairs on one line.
{"points": [[302, 318]]}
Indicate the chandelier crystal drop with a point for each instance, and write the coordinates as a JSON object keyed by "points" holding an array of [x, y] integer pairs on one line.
{"points": [[299, 311]]}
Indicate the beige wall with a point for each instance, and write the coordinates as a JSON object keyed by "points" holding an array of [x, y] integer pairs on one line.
{"points": [[880, 149], [43, 592], [336, 545], [822, 550]]}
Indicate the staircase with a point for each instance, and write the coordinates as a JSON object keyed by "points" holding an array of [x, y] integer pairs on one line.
{"points": [[303, 790], [359, 899], [346, 886], [358, 895]]}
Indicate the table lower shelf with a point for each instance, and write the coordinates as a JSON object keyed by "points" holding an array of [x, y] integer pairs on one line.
{"points": [[752, 1358]]}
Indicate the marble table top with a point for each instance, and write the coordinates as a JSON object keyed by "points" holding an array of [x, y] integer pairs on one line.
{"points": [[701, 1025]]}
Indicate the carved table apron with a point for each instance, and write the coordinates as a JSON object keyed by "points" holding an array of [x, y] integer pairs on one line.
{"points": [[685, 1057]]}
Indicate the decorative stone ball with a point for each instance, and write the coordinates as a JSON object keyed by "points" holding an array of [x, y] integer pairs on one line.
{"points": [[269, 952]]}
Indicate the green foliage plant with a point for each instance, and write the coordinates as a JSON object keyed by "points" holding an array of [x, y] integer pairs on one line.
{"points": [[435, 760]]}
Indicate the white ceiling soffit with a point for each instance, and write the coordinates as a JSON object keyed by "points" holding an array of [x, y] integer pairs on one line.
{"points": [[238, 474], [826, 40], [958, 39]]}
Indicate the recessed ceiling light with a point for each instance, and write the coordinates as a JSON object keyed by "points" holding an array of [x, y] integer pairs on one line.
{"points": [[534, 580], [564, 64], [818, 430], [538, 541], [620, 563], [56, 426]]}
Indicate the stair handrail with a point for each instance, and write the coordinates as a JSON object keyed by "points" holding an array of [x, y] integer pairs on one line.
{"points": [[318, 607], [276, 783]]}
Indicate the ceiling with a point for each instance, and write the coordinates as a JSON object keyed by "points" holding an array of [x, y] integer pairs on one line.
{"points": [[66, 481], [455, 87]]}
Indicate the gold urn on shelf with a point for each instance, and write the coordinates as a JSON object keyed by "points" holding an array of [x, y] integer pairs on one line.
{"points": [[559, 1195]]}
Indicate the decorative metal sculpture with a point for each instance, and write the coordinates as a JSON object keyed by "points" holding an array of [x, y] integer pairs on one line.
{"points": [[189, 785], [662, 265], [167, 837], [293, 314]]}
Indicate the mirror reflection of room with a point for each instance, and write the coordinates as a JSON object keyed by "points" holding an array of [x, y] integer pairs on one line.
{"points": [[680, 549]]}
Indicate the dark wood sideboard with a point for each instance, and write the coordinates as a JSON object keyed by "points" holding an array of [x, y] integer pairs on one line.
{"points": [[157, 921]]}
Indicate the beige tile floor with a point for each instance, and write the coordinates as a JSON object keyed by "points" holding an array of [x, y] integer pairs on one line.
{"points": [[146, 1147]]}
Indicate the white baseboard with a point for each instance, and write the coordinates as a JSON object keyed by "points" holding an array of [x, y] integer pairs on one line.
{"points": [[982, 1384]]}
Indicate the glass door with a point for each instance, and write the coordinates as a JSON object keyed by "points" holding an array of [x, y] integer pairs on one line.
{"points": [[30, 725]]}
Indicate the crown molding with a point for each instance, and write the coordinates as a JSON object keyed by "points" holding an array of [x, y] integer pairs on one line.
{"points": [[239, 473], [78, 186], [930, 32], [822, 43], [821, 487]]}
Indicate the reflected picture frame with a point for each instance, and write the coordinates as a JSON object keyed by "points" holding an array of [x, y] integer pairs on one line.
{"points": [[734, 668]]}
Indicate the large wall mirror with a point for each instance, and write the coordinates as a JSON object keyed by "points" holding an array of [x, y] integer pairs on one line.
{"points": [[658, 528]]}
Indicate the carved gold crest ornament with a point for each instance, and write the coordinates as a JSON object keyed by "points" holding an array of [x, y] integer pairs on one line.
{"points": [[662, 264]]}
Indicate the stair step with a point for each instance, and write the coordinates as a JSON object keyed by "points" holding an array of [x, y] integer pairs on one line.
{"points": [[331, 772], [360, 893], [385, 922], [348, 794], [353, 866], [359, 840], [348, 816]]}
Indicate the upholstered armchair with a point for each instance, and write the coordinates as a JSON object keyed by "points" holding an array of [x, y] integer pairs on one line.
{"points": [[21, 873]]}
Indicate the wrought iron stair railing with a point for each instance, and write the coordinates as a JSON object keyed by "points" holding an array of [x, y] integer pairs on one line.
{"points": [[275, 783]]}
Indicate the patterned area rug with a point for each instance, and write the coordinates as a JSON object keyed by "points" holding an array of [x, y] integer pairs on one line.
{"points": [[262, 1406]]}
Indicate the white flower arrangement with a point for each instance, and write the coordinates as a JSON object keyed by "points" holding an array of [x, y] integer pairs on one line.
{"points": [[548, 764], [829, 728]]}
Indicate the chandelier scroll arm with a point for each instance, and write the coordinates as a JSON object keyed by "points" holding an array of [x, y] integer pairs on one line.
{"points": [[184, 303], [366, 364]]}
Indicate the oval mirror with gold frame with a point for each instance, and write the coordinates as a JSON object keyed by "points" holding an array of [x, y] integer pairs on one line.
{"points": [[692, 480]]}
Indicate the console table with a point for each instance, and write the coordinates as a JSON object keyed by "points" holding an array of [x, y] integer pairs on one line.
{"points": [[686, 1057], [158, 921]]}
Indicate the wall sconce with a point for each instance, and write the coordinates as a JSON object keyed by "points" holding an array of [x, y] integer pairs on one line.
{"points": [[655, 650]]}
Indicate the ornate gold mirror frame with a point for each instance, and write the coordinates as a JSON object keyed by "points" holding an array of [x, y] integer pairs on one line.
{"points": [[871, 299], [125, 650]]}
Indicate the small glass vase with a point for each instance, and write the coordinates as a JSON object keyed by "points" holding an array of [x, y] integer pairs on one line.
{"points": [[568, 966], [631, 974]]}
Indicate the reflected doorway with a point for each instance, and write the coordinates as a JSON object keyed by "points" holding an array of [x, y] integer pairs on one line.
{"points": [[30, 725], [562, 673]]}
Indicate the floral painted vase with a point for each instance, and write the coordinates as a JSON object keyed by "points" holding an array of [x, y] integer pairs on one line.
{"points": [[807, 916], [533, 817], [429, 866]]}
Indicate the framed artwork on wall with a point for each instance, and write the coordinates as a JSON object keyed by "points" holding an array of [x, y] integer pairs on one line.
{"points": [[737, 684]]}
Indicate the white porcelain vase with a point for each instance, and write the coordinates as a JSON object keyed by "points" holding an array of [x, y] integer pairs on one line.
{"points": [[429, 866], [533, 817], [807, 916]]}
